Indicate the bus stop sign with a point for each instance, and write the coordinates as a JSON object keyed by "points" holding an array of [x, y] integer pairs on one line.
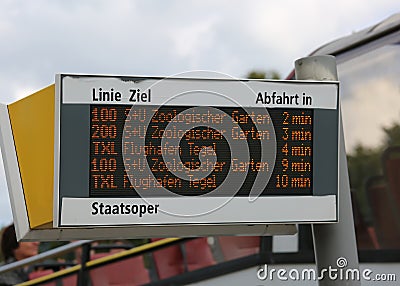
{"points": [[191, 151]]}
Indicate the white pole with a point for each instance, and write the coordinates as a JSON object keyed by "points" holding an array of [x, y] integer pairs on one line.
{"points": [[333, 242]]}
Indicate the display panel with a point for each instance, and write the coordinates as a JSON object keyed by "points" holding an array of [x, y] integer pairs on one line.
{"points": [[198, 151], [117, 162]]}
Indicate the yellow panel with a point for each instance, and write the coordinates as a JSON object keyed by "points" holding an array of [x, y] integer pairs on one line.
{"points": [[32, 123]]}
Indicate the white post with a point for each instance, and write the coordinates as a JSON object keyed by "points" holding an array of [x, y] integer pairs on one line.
{"points": [[333, 242]]}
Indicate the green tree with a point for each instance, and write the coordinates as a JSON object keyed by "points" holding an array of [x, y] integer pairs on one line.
{"points": [[261, 74], [392, 135], [364, 162]]}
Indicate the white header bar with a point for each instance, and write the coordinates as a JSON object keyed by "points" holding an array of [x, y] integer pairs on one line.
{"points": [[87, 89]]}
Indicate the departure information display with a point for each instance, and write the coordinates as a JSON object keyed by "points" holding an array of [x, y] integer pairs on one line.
{"points": [[112, 175], [134, 150]]}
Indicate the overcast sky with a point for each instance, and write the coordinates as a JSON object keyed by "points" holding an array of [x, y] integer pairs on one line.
{"points": [[41, 38]]}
